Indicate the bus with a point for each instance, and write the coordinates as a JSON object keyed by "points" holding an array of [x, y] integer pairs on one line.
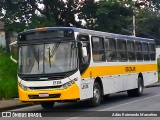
{"points": [[63, 64]]}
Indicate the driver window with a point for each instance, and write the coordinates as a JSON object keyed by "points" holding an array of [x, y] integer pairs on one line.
{"points": [[85, 41], [83, 60]]}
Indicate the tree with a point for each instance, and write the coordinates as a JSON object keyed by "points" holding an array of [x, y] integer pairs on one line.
{"points": [[22, 14], [112, 16], [148, 24], [104, 15], [88, 9], [61, 12], [147, 19]]}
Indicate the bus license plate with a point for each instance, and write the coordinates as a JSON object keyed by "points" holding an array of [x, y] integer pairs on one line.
{"points": [[43, 95]]}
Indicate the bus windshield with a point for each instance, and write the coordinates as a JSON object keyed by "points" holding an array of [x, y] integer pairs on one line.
{"points": [[55, 57]]}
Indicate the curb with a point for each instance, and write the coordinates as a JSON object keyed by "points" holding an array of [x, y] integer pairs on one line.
{"points": [[16, 106], [153, 85]]}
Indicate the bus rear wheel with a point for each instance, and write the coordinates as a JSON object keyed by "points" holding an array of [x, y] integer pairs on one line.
{"points": [[47, 105], [97, 95], [138, 91]]}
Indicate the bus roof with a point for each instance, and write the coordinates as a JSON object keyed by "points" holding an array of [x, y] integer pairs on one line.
{"points": [[94, 33], [113, 35]]}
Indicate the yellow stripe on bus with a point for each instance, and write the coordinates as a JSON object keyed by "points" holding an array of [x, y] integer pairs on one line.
{"points": [[94, 71]]}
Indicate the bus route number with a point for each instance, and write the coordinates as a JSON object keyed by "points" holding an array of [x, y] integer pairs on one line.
{"points": [[57, 82]]}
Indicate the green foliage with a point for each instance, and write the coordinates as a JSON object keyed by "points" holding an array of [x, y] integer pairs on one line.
{"points": [[2, 49], [112, 16], [87, 12], [61, 12], [148, 24], [104, 15], [8, 78], [26, 14], [158, 63], [38, 21], [21, 14]]}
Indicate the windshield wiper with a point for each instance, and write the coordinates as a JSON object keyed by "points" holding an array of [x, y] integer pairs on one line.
{"points": [[49, 57], [53, 51], [38, 60], [36, 56]]}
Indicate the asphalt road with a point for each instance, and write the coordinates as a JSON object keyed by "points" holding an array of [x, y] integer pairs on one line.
{"points": [[116, 103]]}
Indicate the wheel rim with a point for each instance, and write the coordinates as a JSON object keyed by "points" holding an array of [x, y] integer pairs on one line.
{"points": [[96, 94], [140, 86]]}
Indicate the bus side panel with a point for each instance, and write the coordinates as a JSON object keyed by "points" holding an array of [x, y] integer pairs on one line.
{"points": [[150, 77], [130, 81], [112, 84], [105, 82], [86, 88]]}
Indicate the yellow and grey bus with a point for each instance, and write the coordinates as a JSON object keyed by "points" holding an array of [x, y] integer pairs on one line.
{"points": [[58, 64]]}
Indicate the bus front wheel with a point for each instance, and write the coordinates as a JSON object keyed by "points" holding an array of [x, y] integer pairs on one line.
{"points": [[97, 95], [138, 91], [47, 105]]}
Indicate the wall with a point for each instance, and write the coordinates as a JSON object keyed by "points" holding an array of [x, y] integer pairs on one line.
{"points": [[2, 38]]}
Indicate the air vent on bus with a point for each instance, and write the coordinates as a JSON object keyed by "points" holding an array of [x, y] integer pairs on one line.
{"points": [[45, 87]]}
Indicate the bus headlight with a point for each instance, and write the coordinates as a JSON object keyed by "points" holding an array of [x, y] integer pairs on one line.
{"points": [[67, 84], [23, 86]]}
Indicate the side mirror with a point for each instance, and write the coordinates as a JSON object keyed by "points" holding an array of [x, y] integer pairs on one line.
{"points": [[12, 49]]}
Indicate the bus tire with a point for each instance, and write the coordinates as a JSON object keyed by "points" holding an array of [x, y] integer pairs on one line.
{"points": [[47, 105], [97, 95], [138, 91]]}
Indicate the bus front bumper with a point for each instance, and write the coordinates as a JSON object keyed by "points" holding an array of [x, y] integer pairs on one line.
{"points": [[71, 93]]}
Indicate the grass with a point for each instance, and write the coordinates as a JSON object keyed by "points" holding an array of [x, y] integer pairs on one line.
{"points": [[8, 77]]}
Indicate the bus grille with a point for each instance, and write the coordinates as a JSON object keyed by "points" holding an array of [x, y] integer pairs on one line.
{"points": [[45, 87], [50, 96]]}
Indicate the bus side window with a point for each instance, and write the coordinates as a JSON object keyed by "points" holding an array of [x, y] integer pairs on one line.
{"points": [[146, 51], [152, 51], [122, 50], [138, 48], [98, 51], [131, 50], [110, 46]]}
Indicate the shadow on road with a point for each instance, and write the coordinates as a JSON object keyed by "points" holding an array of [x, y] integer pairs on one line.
{"points": [[113, 99]]}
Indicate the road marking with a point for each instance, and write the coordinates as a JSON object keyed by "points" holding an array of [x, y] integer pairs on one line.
{"points": [[129, 102], [72, 118]]}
